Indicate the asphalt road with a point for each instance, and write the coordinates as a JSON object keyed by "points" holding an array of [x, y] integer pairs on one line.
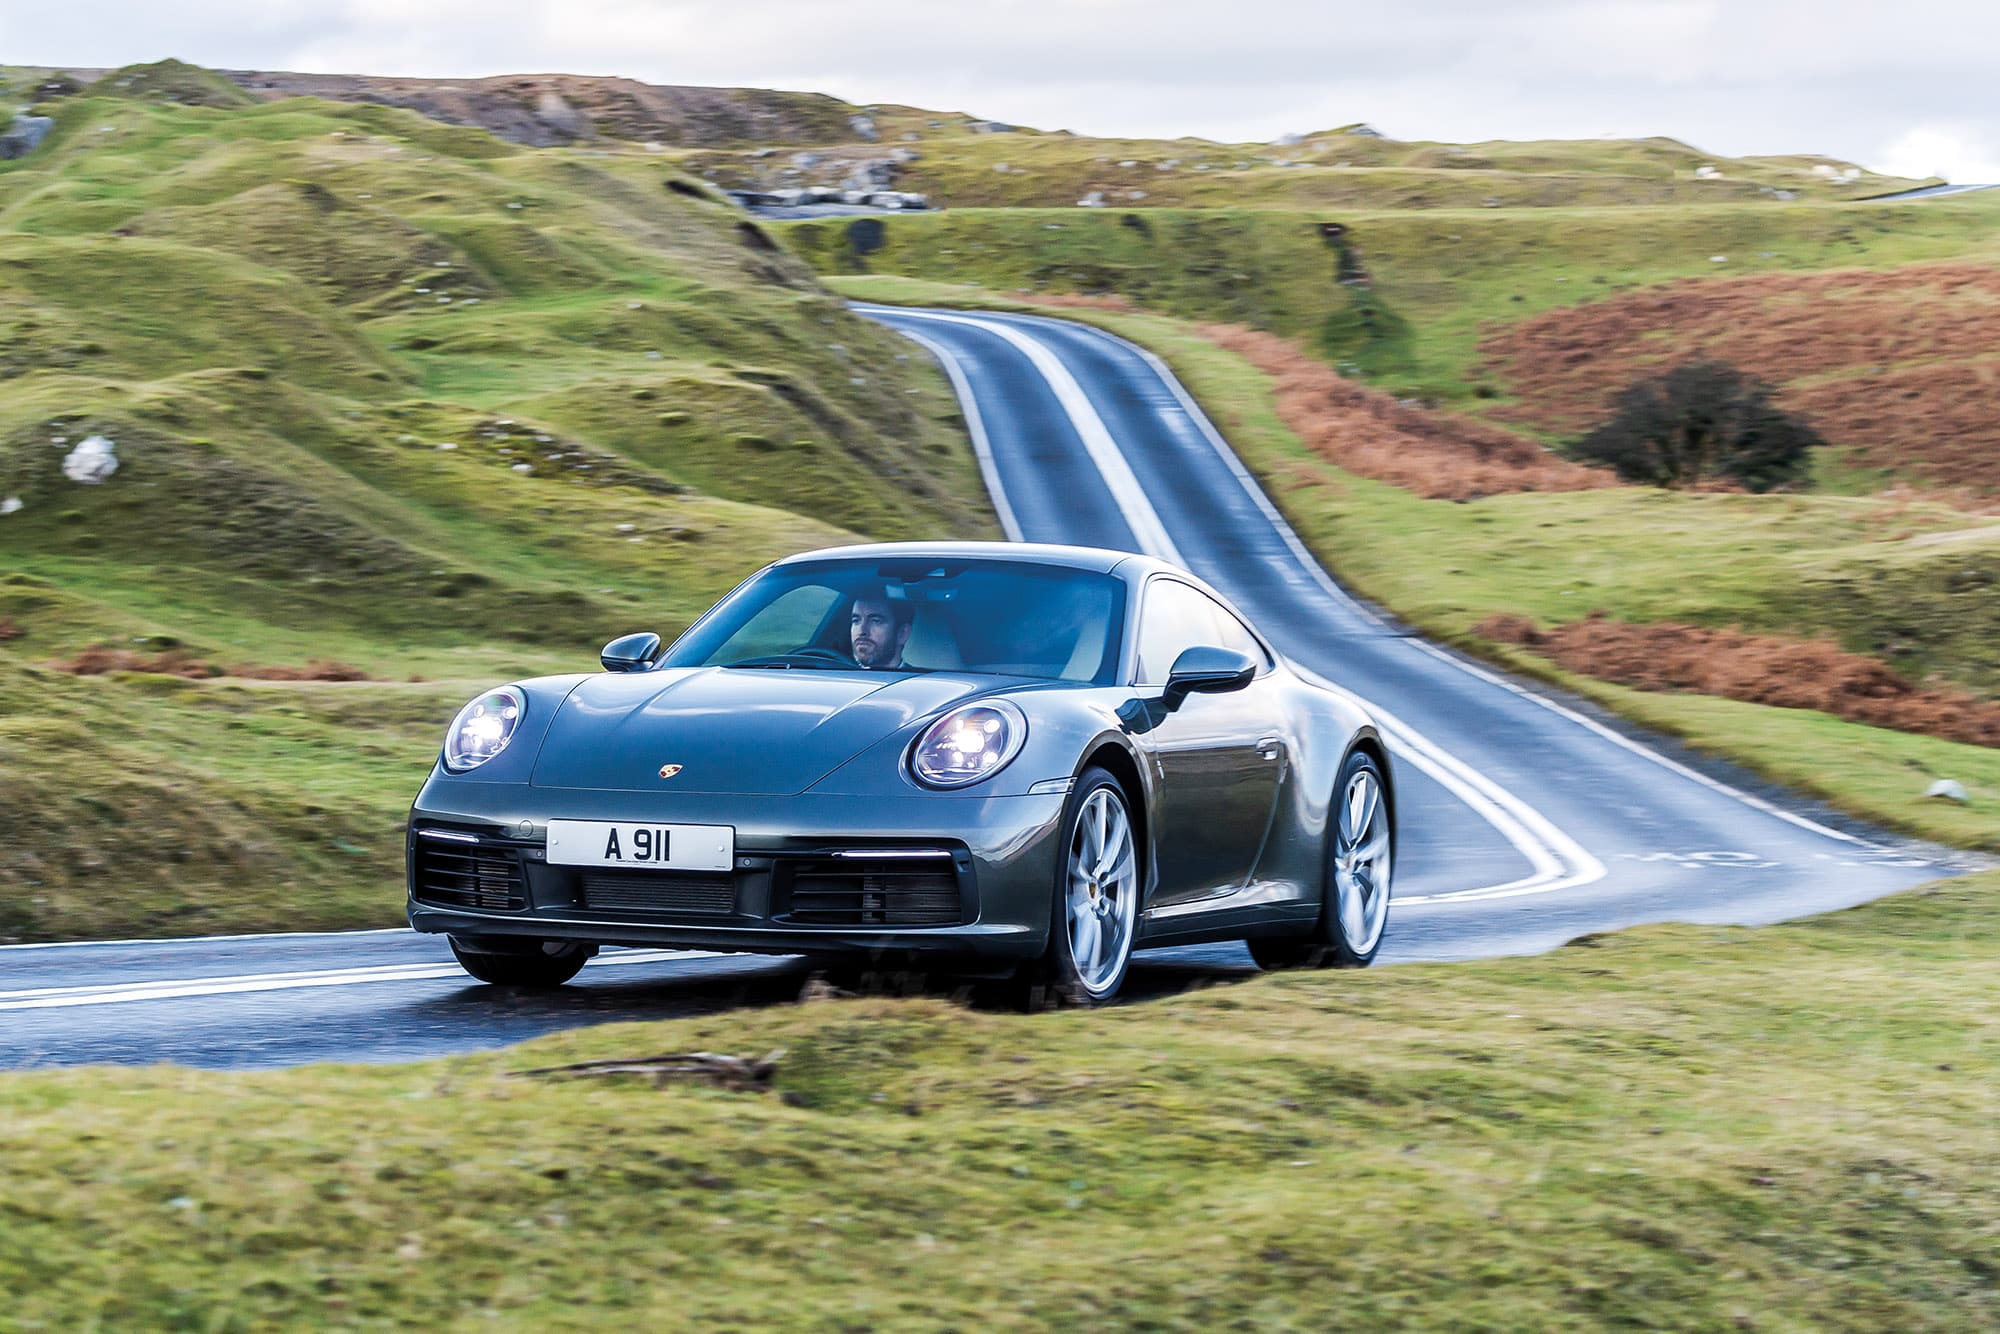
{"points": [[1526, 818], [1930, 192]]}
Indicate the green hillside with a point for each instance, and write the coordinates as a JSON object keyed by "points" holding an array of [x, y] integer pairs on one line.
{"points": [[418, 344], [397, 395], [1401, 298], [961, 163]]}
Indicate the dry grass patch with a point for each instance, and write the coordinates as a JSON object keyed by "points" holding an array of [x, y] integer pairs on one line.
{"points": [[1899, 366], [1437, 455], [102, 659], [1757, 669]]}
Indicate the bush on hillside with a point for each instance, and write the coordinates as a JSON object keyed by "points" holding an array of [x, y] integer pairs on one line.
{"points": [[1701, 421]]}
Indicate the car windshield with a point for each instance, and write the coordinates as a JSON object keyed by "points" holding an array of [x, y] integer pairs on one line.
{"points": [[916, 615]]}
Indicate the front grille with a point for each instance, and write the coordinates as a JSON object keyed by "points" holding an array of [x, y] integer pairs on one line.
{"points": [[868, 896], [468, 876], [675, 895]]}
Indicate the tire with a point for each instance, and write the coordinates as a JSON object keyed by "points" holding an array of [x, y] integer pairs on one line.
{"points": [[524, 962], [1094, 907], [1360, 866]]}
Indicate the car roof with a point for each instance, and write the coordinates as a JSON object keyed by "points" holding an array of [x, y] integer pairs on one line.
{"points": [[1099, 559]]}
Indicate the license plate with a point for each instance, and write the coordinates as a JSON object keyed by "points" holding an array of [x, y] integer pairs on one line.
{"points": [[657, 847]]}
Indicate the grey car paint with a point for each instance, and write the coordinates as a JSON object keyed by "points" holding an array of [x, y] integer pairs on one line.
{"points": [[809, 763]]}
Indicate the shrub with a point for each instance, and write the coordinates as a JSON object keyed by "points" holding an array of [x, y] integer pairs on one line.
{"points": [[1702, 420]]}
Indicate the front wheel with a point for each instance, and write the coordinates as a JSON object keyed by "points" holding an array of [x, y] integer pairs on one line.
{"points": [[1094, 915], [520, 962], [1360, 867]]}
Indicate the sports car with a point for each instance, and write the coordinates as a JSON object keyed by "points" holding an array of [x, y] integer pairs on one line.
{"points": [[997, 759]]}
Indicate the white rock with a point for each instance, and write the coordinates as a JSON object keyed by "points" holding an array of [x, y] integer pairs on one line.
{"points": [[1095, 199], [628, 527], [447, 444], [1947, 788], [11, 505], [1718, 259], [525, 469], [92, 461]]}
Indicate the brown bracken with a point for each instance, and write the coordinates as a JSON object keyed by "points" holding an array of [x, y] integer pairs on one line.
{"points": [[1758, 669]]}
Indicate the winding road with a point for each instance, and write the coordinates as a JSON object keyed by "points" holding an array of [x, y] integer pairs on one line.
{"points": [[1528, 818]]}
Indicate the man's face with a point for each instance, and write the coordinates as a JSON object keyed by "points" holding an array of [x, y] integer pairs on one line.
{"points": [[878, 640]]}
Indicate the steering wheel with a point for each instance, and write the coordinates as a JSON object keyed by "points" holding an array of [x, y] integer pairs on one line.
{"points": [[811, 653]]}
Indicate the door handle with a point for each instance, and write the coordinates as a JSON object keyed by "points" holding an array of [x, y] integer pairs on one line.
{"points": [[1270, 748]]}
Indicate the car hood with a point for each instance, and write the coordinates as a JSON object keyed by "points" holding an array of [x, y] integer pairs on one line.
{"points": [[771, 732]]}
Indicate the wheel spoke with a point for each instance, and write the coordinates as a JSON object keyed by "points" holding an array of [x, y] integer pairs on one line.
{"points": [[1079, 896], [1353, 917], [1085, 944], [1118, 845], [1371, 851]]}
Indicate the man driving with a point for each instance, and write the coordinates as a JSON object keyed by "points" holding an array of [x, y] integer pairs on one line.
{"points": [[879, 629]]}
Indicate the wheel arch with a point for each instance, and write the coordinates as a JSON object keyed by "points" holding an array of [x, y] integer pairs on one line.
{"points": [[1370, 742], [1119, 762]]}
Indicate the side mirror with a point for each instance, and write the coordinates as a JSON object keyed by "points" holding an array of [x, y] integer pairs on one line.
{"points": [[632, 653], [1208, 671]]}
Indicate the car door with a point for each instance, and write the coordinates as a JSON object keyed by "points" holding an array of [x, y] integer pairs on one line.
{"points": [[1217, 759]]}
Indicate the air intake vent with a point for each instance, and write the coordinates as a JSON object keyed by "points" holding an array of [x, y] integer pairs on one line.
{"points": [[876, 895], [666, 894], [469, 876]]}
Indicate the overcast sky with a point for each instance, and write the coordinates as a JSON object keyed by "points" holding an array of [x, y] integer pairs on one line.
{"points": [[1906, 86]]}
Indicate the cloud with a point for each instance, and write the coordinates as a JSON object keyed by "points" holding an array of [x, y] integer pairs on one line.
{"points": [[1848, 78], [1959, 152]]}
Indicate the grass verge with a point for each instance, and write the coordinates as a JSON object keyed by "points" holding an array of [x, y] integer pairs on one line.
{"points": [[1674, 1127]]}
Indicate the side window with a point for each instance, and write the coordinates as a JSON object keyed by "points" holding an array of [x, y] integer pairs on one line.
{"points": [[1176, 618], [1236, 635]]}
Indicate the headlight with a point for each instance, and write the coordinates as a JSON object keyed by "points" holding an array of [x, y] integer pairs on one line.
{"points": [[483, 728], [968, 744]]}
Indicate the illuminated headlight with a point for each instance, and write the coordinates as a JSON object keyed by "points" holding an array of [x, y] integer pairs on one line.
{"points": [[968, 744], [483, 728]]}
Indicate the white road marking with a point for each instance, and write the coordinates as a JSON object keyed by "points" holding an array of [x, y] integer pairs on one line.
{"points": [[1558, 861], [122, 993], [976, 424], [1145, 524], [1305, 558], [218, 940]]}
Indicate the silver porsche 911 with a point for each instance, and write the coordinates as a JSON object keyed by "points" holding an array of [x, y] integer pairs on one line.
{"points": [[995, 758]]}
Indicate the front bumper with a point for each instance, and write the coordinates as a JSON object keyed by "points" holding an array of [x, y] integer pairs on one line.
{"points": [[939, 876]]}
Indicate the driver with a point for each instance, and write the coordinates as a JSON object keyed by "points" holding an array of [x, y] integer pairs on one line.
{"points": [[879, 629]]}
